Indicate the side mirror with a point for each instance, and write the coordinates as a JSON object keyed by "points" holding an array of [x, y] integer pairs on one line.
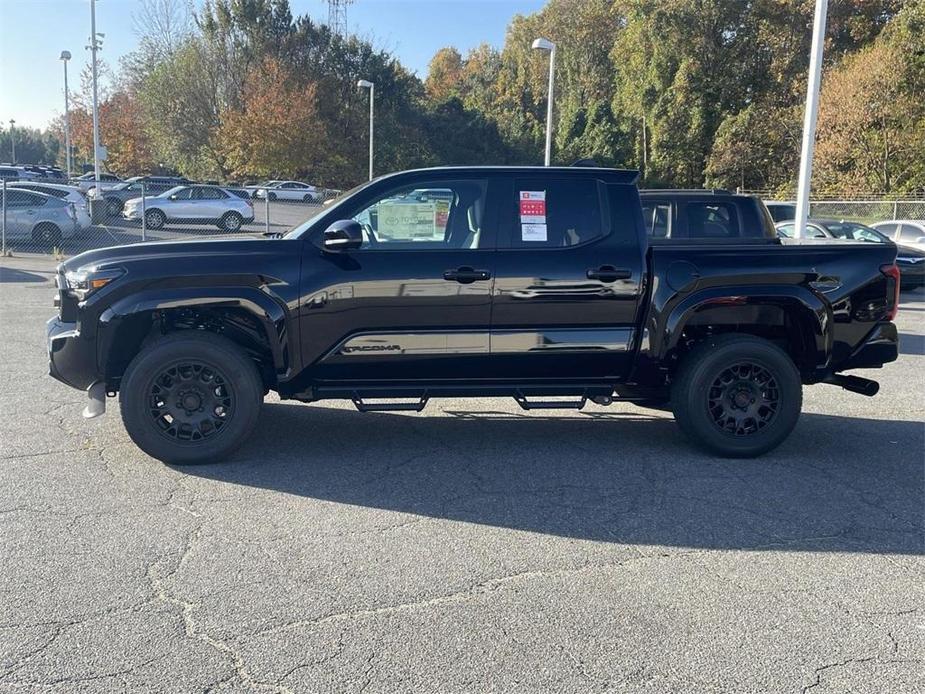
{"points": [[343, 235]]}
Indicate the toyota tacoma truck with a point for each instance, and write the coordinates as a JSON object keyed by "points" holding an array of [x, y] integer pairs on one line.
{"points": [[534, 283]]}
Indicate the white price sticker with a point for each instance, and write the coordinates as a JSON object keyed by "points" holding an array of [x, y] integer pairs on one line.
{"points": [[533, 232]]}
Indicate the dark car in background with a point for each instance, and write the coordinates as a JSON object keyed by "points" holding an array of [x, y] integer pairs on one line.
{"points": [[909, 260], [781, 211]]}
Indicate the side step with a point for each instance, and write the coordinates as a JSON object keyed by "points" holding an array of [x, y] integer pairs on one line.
{"points": [[526, 404], [364, 406]]}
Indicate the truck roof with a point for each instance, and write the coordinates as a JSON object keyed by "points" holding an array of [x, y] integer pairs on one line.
{"points": [[628, 176]]}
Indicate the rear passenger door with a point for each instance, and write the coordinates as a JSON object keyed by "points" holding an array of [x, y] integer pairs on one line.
{"points": [[569, 275]]}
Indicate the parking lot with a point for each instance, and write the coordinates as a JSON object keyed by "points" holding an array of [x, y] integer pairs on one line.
{"points": [[470, 548]]}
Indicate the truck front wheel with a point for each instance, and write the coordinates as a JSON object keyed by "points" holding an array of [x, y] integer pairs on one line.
{"points": [[737, 396], [191, 397]]}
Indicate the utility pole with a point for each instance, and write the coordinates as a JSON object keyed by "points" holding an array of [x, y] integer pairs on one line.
{"points": [[94, 47], [809, 119], [66, 56], [366, 84], [547, 45], [13, 138]]}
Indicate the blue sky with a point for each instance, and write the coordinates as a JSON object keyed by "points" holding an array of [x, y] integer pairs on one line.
{"points": [[34, 32]]}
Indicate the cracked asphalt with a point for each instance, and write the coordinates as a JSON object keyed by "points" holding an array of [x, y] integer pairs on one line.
{"points": [[470, 548]]}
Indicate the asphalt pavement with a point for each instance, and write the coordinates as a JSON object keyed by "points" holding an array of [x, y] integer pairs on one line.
{"points": [[470, 548]]}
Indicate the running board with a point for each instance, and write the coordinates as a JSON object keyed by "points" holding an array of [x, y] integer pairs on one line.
{"points": [[526, 404], [363, 406]]}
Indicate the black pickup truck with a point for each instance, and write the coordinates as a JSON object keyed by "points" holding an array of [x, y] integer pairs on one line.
{"points": [[535, 283]]}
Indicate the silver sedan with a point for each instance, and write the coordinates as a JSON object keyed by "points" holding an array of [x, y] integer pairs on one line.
{"points": [[44, 219], [194, 204]]}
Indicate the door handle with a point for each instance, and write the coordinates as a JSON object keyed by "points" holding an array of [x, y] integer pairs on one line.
{"points": [[466, 275], [608, 273]]}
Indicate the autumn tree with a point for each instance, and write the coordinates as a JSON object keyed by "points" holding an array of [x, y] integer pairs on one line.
{"points": [[444, 74]]}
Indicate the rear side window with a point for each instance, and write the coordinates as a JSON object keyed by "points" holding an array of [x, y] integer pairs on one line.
{"points": [[657, 216], [556, 213], [888, 229], [712, 220], [907, 232], [23, 198]]}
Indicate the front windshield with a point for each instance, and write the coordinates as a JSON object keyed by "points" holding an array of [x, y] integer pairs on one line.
{"points": [[328, 206], [172, 191]]}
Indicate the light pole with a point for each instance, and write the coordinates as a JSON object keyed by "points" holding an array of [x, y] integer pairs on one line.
{"points": [[13, 139], [65, 56], [366, 84], [94, 47], [547, 45], [809, 118]]}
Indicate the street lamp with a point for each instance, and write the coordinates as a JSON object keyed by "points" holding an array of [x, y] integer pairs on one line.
{"points": [[13, 139], [65, 56], [809, 118], [94, 46], [366, 84], [547, 45]]}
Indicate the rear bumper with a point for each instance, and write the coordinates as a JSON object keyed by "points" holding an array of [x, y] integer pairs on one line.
{"points": [[71, 358], [881, 346]]}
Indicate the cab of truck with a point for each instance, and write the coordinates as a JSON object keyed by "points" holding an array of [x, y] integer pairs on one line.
{"points": [[708, 215]]}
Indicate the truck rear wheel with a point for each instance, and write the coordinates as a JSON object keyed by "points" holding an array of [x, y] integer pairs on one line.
{"points": [[191, 397], [737, 396]]}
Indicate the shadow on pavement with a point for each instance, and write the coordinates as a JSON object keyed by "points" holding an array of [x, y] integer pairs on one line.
{"points": [[838, 484], [9, 275], [910, 343]]}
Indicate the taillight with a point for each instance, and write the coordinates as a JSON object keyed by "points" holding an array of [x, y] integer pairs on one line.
{"points": [[892, 272]]}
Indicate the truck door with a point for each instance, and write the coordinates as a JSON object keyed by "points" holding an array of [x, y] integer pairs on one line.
{"points": [[569, 277], [414, 302]]}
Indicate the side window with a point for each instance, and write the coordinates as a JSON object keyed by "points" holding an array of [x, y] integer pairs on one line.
{"points": [[888, 229], [212, 194], [553, 213], [657, 216], [711, 220], [184, 194], [23, 198], [430, 216], [907, 232], [785, 230]]}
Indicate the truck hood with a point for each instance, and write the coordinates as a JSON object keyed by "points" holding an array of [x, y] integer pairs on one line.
{"points": [[163, 251]]}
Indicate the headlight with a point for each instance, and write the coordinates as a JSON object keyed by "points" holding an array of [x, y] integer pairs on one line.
{"points": [[83, 282]]}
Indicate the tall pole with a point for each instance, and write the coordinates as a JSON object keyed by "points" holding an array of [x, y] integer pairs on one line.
{"points": [[66, 56], [809, 118], [372, 97], [94, 47], [366, 84], [13, 139], [547, 45]]}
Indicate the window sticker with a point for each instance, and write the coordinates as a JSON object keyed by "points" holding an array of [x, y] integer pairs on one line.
{"points": [[533, 232], [533, 207]]}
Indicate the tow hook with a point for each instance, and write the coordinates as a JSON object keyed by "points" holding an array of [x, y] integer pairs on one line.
{"points": [[855, 384], [97, 404]]}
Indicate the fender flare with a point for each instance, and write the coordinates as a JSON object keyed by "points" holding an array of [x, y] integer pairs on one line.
{"points": [[813, 311], [270, 313]]}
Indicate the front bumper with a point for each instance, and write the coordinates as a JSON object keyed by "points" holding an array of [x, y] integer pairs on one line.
{"points": [[911, 274], [71, 358], [880, 347], [133, 215]]}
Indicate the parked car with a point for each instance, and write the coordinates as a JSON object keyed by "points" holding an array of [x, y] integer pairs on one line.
{"points": [[44, 219], [290, 190], [704, 214], [69, 194], [192, 204], [12, 172], [781, 211], [536, 282], [252, 188], [906, 232], [909, 260], [136, 186], [87, 181]]}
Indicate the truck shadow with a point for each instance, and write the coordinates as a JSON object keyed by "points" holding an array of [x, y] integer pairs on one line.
{"points": [[838, 484]]}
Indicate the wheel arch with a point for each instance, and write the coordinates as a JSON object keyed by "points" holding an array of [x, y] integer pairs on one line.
{"points": [[248, 317], [792, 317]]}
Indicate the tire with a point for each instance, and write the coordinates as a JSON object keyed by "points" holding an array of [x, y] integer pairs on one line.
{"points": [[114, 207], [272, 197], [737, 396], [307, 198], [231, 221], [206, 373], [155, 219], [47, 235]]}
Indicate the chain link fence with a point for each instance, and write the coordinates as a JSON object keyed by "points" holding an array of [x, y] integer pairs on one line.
{"points": [[866, 208], [51, 218]]}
